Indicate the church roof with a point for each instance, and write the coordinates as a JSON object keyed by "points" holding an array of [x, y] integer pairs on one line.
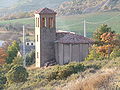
{"points": [[45, 11], [74, 39]]}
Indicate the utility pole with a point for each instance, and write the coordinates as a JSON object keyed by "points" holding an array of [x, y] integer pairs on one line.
{"points": [[24, 57], [84, 28]]}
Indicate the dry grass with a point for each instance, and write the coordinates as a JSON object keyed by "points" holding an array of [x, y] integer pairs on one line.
{"points": [[97, 81]]}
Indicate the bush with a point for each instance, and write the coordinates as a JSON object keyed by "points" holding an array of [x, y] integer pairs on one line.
{"points": [[17, 61], [2, 81], [12, 52], [115, 53], [62, 72], [17, 74], [30, 58], [93, 55]]}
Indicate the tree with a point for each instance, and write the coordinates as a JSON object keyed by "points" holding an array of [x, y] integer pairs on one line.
{"points": [[93, 54], [107, 37], [18, 61], [30, 58], [3, 56], [17, 74], [12, 52], [2, 81], [101, 30]]}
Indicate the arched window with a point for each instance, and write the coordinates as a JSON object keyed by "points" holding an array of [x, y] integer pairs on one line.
{"points": [[51, 22], [44, 22]]}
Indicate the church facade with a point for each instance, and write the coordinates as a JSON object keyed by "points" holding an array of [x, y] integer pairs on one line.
{"points": [[57, 46]]}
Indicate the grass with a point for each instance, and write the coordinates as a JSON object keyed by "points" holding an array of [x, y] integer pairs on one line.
{"points": [[97, 74], [97, 81], [75, 23]]}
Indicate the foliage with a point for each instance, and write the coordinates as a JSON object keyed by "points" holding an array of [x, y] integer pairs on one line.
{"points": [[2, 81], [3, 56], [101, 30], [17, 74], [105, 50], [107, 37], [115, 53], [94, 54], [37, 77], [62, 72], [18, 61], [30, 58], [107, 40], [12, 52]]}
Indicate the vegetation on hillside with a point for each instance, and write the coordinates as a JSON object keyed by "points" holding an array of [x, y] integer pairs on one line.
{"points": [[87, 6], [104, 54], [106, 42], [70, 23]]}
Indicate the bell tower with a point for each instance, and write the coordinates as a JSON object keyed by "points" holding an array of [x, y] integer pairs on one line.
{"points": [[45, 35]]}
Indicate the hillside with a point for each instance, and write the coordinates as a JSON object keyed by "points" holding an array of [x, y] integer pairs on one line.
{"points": [[27, 5], [88, 6], [75, 23], [63, 7], [88, 75]]}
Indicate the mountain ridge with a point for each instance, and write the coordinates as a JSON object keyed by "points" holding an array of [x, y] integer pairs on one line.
{"points": [[63, 7]]}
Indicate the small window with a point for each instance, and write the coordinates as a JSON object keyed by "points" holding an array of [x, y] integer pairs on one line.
{"points": [[37, 55], [37, 38], [32, 44], [28, 44]]}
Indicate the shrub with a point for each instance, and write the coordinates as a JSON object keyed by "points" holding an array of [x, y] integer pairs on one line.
{"points": [[17, 74], [12, 52], [30, 58], [115, 53], [2, 81], [62, 72], [17, 61], [93, 55]]}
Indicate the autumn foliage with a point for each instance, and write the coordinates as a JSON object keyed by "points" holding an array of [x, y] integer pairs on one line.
{"points": [[3, 56], [105, 45], [107, 37]]}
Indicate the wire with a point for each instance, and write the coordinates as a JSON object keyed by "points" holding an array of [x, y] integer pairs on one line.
{"points": [[103, 21]]}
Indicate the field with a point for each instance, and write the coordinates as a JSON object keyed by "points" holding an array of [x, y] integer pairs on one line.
{"points": [[75, 23]]}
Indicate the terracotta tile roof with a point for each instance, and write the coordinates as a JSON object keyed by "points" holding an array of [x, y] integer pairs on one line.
{"points": [[45, 11], [74, 39]]}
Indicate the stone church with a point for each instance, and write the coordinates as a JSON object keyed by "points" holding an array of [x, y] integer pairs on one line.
{"points": [[57, 46]]}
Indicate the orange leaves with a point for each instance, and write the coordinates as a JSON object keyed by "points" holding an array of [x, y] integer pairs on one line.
{"points": [[3, 56], [105, 49], [107, 37]]}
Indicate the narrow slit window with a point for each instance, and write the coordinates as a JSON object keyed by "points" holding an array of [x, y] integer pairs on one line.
{"points": [[37, 55], [36, 22], [37, 38]]}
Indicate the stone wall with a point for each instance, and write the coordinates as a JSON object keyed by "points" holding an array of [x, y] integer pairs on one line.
{"points": [[66, 53]]}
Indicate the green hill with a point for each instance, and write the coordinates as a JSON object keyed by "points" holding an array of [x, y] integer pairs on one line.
{"points": [[75, 23]]}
